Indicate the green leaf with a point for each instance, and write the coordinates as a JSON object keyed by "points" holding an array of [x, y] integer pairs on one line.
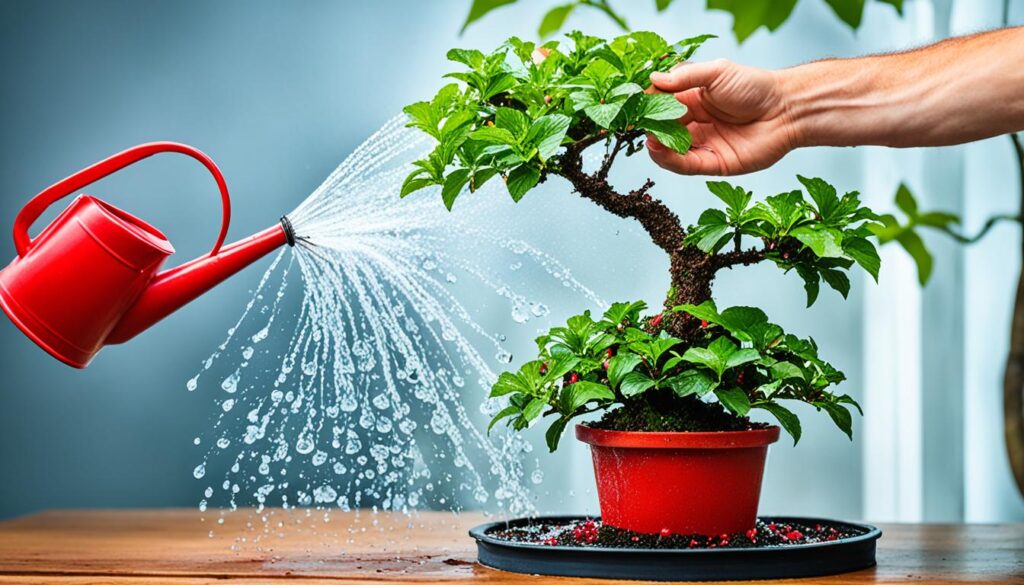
{"points": [[691, 382], [619, 312], [554, 433], [668, 132], [635, 383], [742, 356], [789, 421], [736, 198], [479, 9], [522, 179], [661, 5], [415, 183], [554, 20], [494, 135], [839, 415], [620, 365], [786, 371], [559, 365], [750, 15], [533, 409], [824, 242], [453, 185], [863, 252], [735, 399], [837, 280], [914, 246], [849, 11], [705, 357], [742, 321], [508, 383], [811, 282], [471, 58], [905, 201], [603, 114], [505, 413], [583, 392], [546, 134], [824, 196], [660, 106], [705, 311], [512, 120]]}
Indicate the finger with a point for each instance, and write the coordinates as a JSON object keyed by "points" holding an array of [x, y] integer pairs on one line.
{"points": [[696, 161], [689, 75], [695, 110]]}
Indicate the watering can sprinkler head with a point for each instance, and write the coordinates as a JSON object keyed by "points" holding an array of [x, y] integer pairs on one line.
{"points": [[92, 277]]}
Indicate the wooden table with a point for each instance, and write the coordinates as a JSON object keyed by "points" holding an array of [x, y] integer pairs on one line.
{"points": [[174, 546]]}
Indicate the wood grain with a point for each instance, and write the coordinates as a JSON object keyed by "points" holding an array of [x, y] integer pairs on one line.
{"points": [[173, 546]]}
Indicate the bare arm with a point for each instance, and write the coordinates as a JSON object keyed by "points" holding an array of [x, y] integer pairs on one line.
{"points": [[744, 119]]}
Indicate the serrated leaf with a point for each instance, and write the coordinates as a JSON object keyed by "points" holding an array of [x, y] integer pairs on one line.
{"points": [[837, 280], [471, 58], [741, 321], [811, 280], [512, 120], [706, 311], [660, 106], [635, 383], [507, 383], [864, 253], [786, 371], [603, 114], [824, 196], [546, 134], [668, 132], [494, 135], [735, 399], [736, 198], [742, 356], [521, 179], [789, 421], [824, 242], [533, 409], [582, 392], [414, 183], [839, 415], [691, 382], [504, 413]]}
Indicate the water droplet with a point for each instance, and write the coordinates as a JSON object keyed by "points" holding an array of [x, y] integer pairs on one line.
{"points": [[228, 404], [247, 352], [537, 476], [503, 357], [230, 384], [199, 471], [193, 383], [520, 314]]}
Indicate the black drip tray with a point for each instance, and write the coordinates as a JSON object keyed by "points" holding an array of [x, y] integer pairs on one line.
{"points": [[569, 546]]}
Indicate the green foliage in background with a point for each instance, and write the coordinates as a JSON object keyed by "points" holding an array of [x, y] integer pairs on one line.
{"points": [[748, 15]]}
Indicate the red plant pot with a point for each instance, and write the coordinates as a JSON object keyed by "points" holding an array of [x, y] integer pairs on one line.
{"points": [[685, 483]]}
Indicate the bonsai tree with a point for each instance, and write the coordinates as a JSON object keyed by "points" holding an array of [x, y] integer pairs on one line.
{"points": [[526, 113]]}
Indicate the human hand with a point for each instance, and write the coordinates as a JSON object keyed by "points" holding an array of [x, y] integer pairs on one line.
{"points": [[736, 114]]}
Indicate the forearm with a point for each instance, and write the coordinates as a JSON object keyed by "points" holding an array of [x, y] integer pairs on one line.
{"points": [[952, 92]]}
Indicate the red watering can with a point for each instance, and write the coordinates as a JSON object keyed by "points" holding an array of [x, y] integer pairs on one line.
{"points": [[91, 278]]}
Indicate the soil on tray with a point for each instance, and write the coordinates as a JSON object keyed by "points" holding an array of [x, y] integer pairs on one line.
{"points": [[592, 533], [673, 414]]}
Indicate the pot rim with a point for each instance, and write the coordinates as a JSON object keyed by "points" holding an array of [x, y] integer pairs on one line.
{"points": [[678, 440]]}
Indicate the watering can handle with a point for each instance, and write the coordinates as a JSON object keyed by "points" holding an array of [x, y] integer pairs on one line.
{"points": [[34, 208]]}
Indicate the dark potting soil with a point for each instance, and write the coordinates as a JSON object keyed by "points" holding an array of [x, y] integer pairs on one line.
{"points": [[675, 415], [592, 533]]}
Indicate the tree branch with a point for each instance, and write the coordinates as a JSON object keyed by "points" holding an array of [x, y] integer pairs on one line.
{"points": [[656, 218], [738, 257]]}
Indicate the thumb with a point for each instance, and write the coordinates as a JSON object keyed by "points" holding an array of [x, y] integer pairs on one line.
{"points": [[689, 75]]}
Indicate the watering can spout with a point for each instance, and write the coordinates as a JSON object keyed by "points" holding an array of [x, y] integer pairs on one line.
{"points": [[92, 276], [174, 288]]}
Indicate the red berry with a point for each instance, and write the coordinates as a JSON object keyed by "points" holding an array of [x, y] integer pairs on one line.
{"points": [[752, 533], [703, 324], [574, 377], [794, 535], [739, 378], [656, 320], [665, 533], [693, 543], [635, 539], [605, 364], [772, 527], [609, 352], [547, 99], [543, 368]]}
